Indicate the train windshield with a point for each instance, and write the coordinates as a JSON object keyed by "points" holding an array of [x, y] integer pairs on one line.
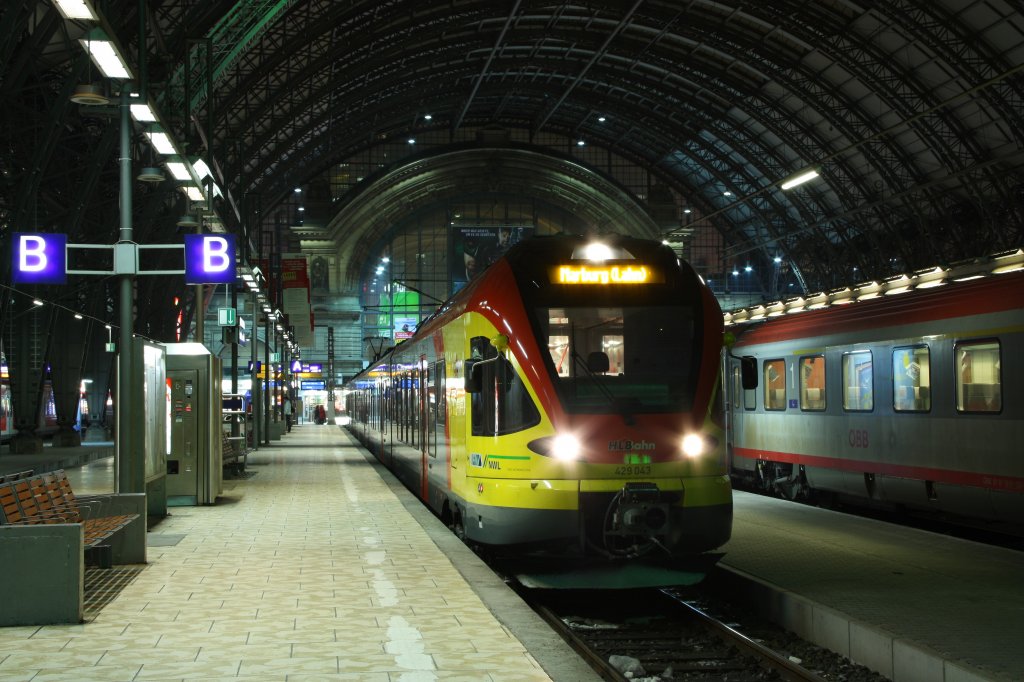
{"points": [[621, 359]]}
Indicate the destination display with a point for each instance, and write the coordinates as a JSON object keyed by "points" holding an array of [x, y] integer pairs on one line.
{"points": [[604, 275]]}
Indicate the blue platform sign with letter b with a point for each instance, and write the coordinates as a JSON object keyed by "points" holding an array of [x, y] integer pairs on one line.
{"points": [[39, 258], [209, 258]]}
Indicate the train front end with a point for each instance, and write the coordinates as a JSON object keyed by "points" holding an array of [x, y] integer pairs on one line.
{"points": [[626, 459]]}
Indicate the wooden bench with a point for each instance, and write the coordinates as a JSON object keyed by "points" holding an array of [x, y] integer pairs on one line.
{"points": [[46, 533], [48, 499]]}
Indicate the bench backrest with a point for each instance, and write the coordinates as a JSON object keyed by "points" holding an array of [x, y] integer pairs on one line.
{"points": [[9, 507], [44, 498]]}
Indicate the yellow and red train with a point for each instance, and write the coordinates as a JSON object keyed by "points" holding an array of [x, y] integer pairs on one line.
{"points": [[565, 403]]}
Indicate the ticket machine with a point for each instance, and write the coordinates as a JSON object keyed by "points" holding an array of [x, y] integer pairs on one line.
{"points": [[195, 462]]}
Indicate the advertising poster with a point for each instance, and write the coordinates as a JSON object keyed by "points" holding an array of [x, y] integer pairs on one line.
{"points": [[295, 297], [476, 247], [406, 314]]}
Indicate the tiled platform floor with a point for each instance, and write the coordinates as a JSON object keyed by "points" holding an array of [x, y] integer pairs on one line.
{"points": [[311, 569]]}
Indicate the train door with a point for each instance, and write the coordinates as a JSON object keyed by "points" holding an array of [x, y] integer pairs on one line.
{"points": [[438, 424], [426, 384]]}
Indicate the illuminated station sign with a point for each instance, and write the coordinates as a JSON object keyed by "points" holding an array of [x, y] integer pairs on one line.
{"points": [[604, 275], [40, 258], [209, 258], [43, 259]]}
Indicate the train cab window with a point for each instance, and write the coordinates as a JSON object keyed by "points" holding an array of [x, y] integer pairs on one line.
{"points": [[503, 404], [858, 382], [774, 384], [558, 347], [812, 383], [620, 358], [978, 376], [911, 379]]}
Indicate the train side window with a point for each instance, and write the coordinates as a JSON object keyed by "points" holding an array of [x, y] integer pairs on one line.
{"points": [[516, 410], [503, 404], [440, 394], [978, 376], [858, 382], [812, 383], [482, 402], [774, 384], [911, 379]]}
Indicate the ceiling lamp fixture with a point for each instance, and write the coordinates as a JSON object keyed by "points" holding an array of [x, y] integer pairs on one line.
{"points": [[799, 179], [188, 221], [89, 94], [150, 174]]}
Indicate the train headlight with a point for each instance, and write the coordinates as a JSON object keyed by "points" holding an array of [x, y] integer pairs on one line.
{"points": [[693, 445], [566, 446]]}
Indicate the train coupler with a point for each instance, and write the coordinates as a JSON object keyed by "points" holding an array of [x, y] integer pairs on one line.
{"points": [[640, 509]]}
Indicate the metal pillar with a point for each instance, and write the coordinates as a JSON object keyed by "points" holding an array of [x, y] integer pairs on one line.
{"points": [[131, 465], [256, 387]]}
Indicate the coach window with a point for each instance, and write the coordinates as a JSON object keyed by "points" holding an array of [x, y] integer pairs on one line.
{"points": [[812, 383], [911, 379], [978, 376], [858, 382], [774, 384]]}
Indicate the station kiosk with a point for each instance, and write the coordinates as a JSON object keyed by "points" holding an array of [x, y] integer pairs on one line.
{"points": [[195, 463]]}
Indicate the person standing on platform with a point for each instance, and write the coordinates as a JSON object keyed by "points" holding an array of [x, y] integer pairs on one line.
{"points": [[288, 414]]}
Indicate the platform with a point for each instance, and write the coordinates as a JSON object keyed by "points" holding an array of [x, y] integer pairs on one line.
{"points": [[910, 604], [320, 566]]}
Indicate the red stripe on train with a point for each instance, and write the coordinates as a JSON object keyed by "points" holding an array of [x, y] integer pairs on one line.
{"points": [[1013, 484], [960, 299]]}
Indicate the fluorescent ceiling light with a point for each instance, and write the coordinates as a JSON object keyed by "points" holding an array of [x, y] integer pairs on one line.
{"points": [[194, 193], [1003, 269], [179, 170], [76, 9], [143, 113], [106, 58], [799, 179], [202, 170], [161, 142]]}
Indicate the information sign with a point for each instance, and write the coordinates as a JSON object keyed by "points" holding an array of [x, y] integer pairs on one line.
{"points": [[39, 258], [209, 258]]}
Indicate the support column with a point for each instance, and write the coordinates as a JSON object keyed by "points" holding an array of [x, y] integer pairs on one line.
{"points": [[131, 465]]}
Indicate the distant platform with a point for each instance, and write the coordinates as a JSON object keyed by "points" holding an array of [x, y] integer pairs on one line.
{"points": [[56, 458]]}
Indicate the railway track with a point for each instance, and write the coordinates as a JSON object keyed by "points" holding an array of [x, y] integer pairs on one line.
{"points": [[660, 635]]}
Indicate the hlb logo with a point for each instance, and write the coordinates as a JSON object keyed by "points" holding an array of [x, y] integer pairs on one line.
{"points": [[626, 445], [209, 258], [40, 258]]}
